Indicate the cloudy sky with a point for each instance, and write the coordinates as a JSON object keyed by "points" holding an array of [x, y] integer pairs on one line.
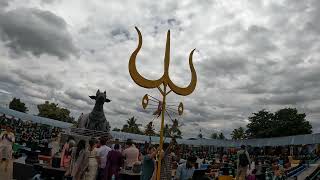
{"points": [[250, 55]]}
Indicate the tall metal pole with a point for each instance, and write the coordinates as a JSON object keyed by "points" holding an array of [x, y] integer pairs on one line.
{"points": [[161, 130]]}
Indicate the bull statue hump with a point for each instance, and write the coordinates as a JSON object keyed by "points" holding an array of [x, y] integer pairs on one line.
{"points": [[96, 119]]}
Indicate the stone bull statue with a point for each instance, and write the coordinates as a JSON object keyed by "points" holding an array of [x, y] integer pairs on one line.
{"points": [[96, 120]]}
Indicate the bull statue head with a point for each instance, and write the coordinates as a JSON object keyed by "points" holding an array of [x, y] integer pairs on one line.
{"points": [[100, 98]]}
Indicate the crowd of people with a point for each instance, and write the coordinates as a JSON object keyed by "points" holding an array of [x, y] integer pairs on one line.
{"points": [[106, 159], [27, 132]]}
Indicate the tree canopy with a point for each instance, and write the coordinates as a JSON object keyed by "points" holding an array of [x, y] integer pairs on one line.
{"points": [[53, 111], [238, 133], [221, 136], [217, 136], [284, 122], [214, 135], [116, 129], [18, 105], [149, 130], [132, 126]]}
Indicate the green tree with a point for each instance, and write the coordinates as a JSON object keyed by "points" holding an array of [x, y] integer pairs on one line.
{"points": [[260, 124], [53, 111], [214, 136], [131, 126], [238, 133], [284, 122], [288, 122], [149, 130], [221, 136], [116, 129], [17, 105]]}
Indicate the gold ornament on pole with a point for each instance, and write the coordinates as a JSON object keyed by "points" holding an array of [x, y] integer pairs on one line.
{"points": [[165, 81]]}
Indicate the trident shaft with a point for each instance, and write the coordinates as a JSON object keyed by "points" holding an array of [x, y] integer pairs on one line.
{"points": [[164, 80]]}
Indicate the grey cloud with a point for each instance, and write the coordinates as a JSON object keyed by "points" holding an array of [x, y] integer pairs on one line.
{"points": [[259, 40], [4, 3], [43, 79], [77, 95], [120, 33], [36, 31], [9, 78], [285, 99], [48, 1], [226, 65]]}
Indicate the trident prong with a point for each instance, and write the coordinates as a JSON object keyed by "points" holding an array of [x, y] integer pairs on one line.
{"points": [[165, 79]]}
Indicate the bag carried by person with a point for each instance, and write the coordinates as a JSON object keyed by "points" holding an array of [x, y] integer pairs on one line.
{"points": [[243, 160]]}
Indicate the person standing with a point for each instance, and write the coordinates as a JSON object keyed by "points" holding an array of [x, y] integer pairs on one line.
{"points": [[166, 162], [116, 142], [102, 158], [7, 139], [185, 170], [92, 170], [148, 164], [79, 161], [114, 163], [55, 145], [131, 154], [66, 153], [242, 163]]}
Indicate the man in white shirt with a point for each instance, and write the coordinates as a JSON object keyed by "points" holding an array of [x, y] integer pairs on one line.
{"points": [[185, 171], [102, 157], [131, 154]]}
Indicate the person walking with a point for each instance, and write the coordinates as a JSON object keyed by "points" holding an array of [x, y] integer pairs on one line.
{"points": [[243, 163]]}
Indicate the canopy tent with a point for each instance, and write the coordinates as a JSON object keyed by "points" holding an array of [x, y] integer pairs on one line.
{"points": [[278, 141], [35, 119]]}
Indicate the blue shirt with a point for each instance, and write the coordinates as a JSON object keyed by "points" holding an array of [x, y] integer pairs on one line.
{"points": [[184, 173]]}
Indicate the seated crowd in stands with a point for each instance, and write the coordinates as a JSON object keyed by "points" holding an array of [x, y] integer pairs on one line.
{"points": [[29, 133]]}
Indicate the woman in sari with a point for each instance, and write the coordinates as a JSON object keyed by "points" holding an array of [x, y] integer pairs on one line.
{"points": [[92, 170], [66, 153], [79, 161]]}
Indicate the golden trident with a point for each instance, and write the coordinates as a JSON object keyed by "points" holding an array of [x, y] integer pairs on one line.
{"points": [[165, 81]]}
